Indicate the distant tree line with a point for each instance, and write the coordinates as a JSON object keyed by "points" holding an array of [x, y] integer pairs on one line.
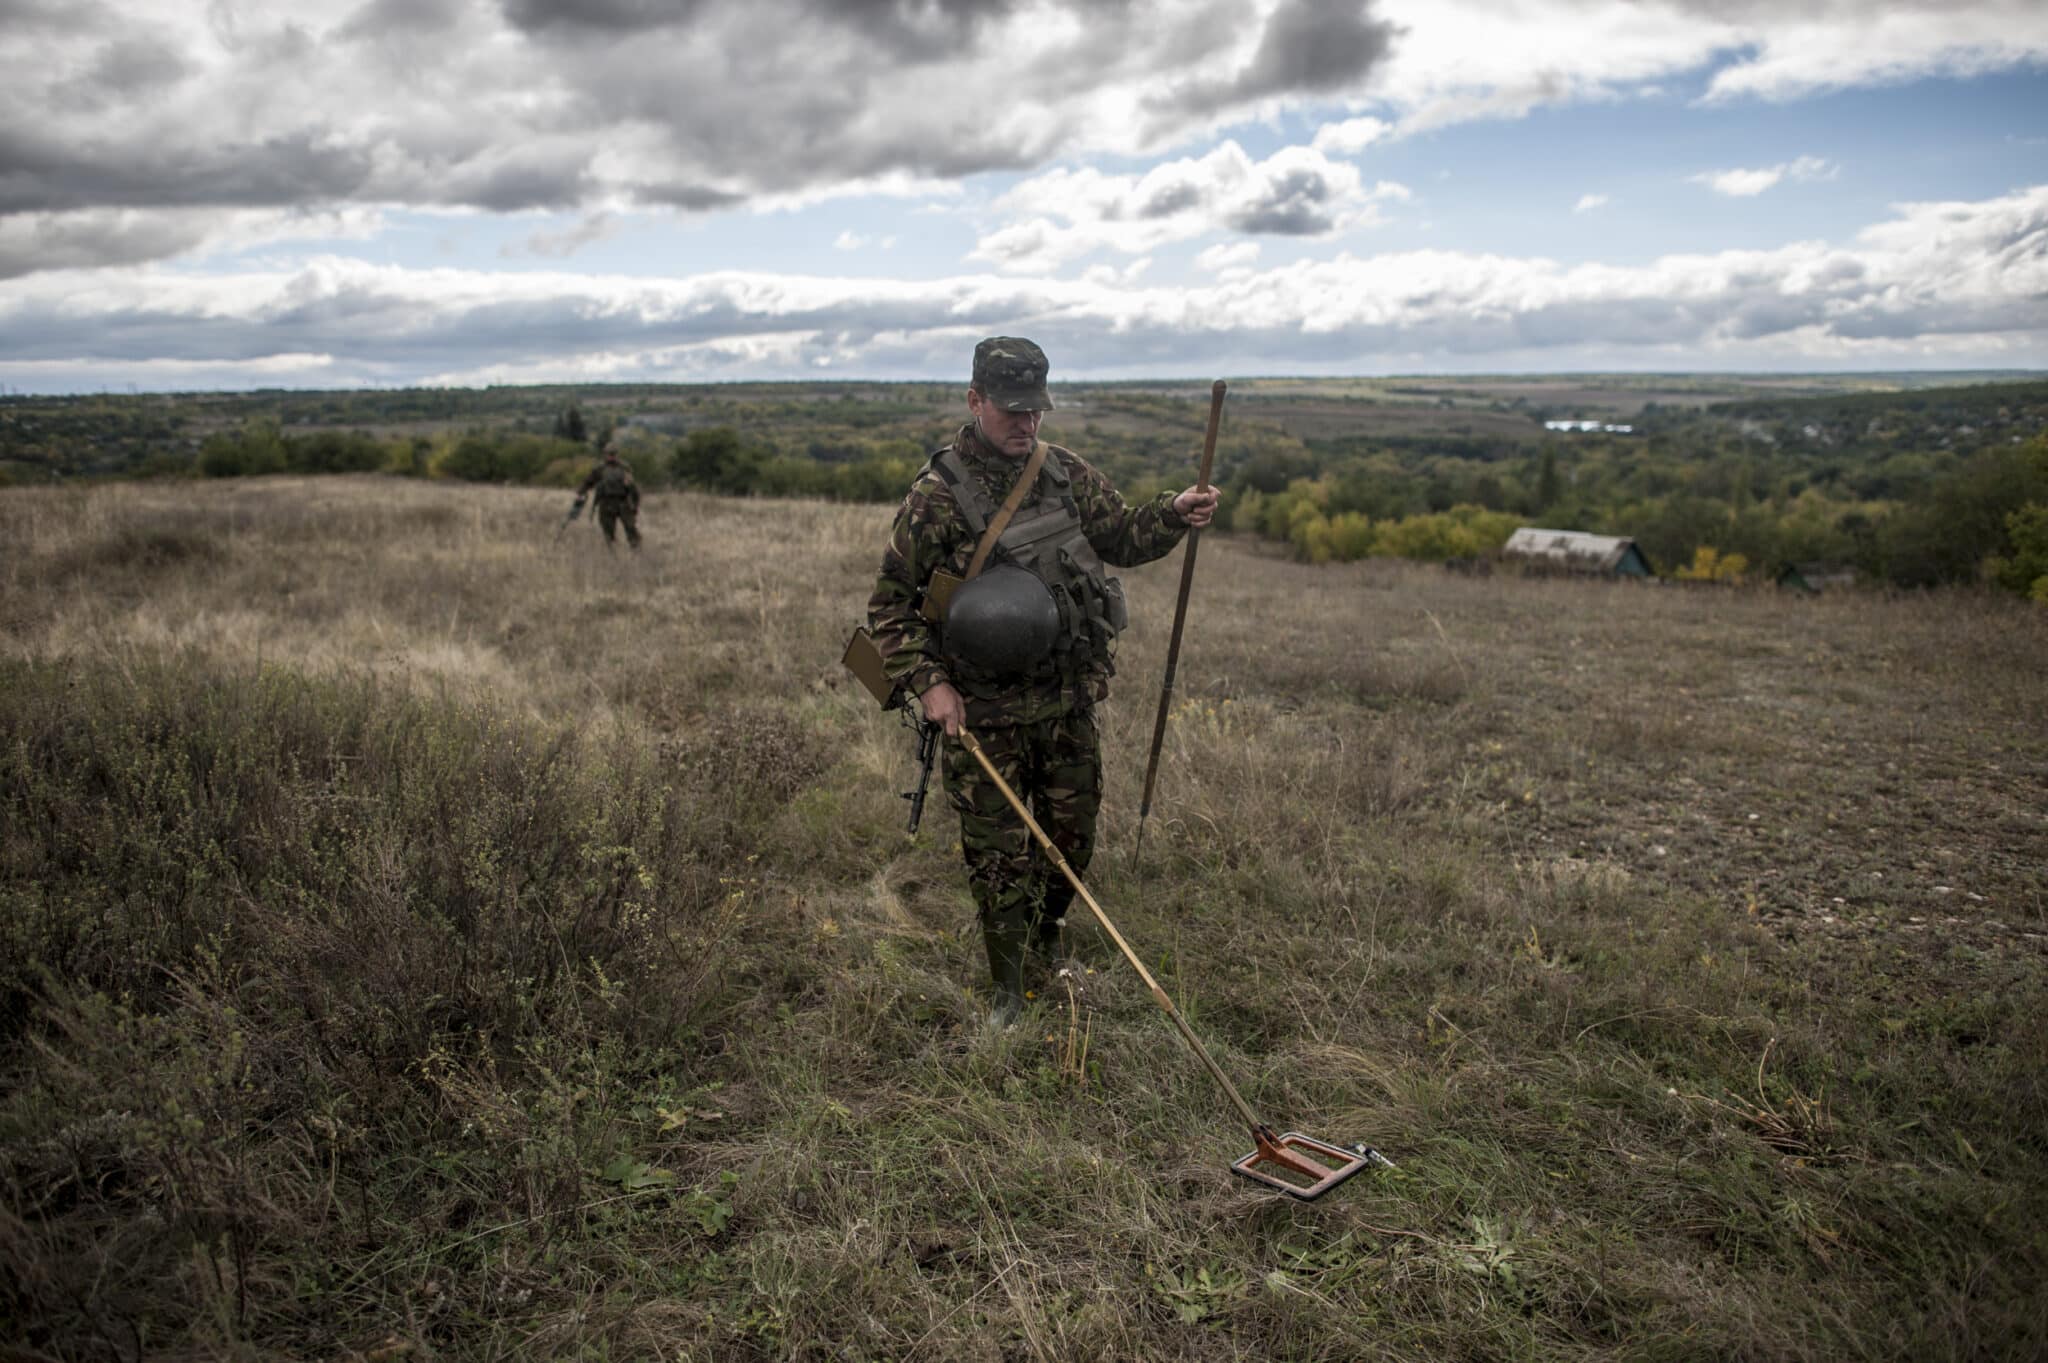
{"points": [[1978, 517], [1916, 488], [720, 459]]}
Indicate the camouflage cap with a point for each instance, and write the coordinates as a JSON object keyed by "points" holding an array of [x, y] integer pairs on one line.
{"points": [[1010, 372]]}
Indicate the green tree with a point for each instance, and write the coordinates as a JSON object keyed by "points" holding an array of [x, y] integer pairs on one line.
{"points": [[254, 449], [2025, 569], [1549, 486], [475, 458], [1964, 523], [334, 452], [719, 459]]}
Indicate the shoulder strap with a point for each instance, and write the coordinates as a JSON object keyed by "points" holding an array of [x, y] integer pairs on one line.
{"points": [[1008, 509], [966, 492]]}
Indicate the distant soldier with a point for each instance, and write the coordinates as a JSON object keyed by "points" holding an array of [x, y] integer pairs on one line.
{"points": [[618, 496], [1023, 653]]}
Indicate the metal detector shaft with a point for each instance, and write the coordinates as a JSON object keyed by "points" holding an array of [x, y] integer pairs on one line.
{"points": [[1180, 616], [1159, 995]]}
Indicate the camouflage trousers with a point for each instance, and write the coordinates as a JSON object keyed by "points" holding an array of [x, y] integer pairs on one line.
{"points": [[1055, 766], [608, 518]]}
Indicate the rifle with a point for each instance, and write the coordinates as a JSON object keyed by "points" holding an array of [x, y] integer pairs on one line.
{"points": [[927, 753], [864, 660], [575, 510]]}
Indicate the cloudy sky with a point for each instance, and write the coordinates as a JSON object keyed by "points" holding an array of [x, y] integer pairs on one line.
{"points": [[335, 193]]}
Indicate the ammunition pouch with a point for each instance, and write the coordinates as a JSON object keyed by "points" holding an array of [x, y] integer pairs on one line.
{"points": [[864, 661], [938, 594]]}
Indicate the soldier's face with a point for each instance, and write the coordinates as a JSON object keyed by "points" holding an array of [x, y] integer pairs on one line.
{"points": [[1014, 433]]}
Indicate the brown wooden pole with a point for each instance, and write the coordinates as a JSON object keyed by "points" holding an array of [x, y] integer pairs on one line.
{"points": [[1180, 617]]}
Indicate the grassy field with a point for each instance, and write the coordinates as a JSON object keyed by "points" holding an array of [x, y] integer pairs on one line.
{"points": [[427, 940]]}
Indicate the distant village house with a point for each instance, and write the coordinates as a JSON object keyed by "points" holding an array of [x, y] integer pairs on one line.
{"points": [[1575, 551], [1605, 427]]}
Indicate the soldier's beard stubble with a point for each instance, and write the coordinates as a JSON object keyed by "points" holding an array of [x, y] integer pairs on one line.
{"points": [[1026, 438]]}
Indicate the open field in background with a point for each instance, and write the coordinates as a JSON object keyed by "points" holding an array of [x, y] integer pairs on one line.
{"points": [[109, 435], [425, 940]]}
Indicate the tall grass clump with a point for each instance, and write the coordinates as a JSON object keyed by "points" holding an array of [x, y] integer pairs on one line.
{"points": [[307, 968]]}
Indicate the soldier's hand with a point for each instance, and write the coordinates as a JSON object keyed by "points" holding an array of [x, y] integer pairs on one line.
{"points": [[943, 706], [1197, 506]]}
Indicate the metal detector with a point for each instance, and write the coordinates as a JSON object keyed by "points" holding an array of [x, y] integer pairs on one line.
{"points": [[1300, 1166]]}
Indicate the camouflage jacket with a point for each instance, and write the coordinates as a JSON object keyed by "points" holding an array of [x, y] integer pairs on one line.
{"points": [[613, 492], [931, 533]]}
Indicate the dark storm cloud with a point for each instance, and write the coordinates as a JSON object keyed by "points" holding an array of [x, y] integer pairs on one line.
{"points": [[692, 198], [601, 16], [123, 72], [770, 134], [383, 20], [40, 173], [1297, 204], [1168, 200], [70, 242], [541, 177], [913, 31], [1316, 45], [1939, 317], [133, 65], [1308, 47], [18, 17]]}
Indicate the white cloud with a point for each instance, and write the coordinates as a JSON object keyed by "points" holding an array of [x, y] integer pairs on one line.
{"points": [[1069, 213], [1799, 50], [1351, 136], [1946, 282], [1460, 60], [1234, 255], [1109, 276], [1743, 184], [1588, 202]]}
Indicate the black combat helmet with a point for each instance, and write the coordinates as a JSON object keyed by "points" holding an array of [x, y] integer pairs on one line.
{"points": [[1004, 623]]}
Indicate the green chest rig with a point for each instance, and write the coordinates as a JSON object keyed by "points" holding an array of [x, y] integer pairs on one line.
{"points": [[1046, 538], [614, 484]]}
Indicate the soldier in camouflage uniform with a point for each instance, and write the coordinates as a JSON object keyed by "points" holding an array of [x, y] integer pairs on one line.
{"points": [[1035, 721], [618, 496]]}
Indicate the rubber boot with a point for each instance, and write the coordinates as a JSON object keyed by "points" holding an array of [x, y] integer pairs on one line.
{"points": [[1005, 943]]}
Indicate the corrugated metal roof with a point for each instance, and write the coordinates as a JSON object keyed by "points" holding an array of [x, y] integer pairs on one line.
{"points": [[1573, 549]]}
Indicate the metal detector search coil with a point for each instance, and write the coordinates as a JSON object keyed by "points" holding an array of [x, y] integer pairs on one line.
{"points": [[1302, 1166]]}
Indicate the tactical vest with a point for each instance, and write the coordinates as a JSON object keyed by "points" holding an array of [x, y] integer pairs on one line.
{"points": [[1047, 539], [613, 483]]}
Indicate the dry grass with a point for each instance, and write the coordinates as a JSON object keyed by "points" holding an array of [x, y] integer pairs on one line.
{"points": [[431, 940]]}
